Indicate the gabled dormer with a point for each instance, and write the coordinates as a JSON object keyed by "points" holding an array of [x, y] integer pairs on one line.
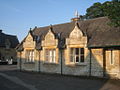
{"points": [[76, 32], [29, 41], [50, 39], [77, 36]]}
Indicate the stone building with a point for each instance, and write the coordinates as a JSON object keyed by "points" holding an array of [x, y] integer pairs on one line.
{"points": [[81, 48], [7, 48]]}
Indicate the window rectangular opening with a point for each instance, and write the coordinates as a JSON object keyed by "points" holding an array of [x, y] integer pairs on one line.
{"points": [[50, 55], [77, 55]]}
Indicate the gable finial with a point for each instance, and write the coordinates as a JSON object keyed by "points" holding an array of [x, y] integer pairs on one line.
{"points": [[35, 27], [76, 14], [50, 27], [30, 29]]}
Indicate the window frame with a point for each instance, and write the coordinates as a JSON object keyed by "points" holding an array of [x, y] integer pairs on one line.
{"points": [[74, 54], [50, 57], [30, 56], [111, 57]]}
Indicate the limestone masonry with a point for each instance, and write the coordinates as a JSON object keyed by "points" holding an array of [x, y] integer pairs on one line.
{"points": [[81, 48]]}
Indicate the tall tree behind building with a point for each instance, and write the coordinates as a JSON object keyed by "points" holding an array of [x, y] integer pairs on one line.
{"points": [[111, 9], [94, 11]]}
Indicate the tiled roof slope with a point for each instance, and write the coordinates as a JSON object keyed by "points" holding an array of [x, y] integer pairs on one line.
{"points": [[13, 40], [98, 31]]}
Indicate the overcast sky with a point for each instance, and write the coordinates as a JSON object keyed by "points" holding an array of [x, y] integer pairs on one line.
{"points": [[17, 16]]}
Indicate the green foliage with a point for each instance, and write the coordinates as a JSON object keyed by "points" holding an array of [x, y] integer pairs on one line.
{"points": [[94, 11], [115, 0], [111, 9]]}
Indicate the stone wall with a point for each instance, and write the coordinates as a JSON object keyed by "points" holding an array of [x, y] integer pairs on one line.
{"points": [[50, 43], [75, 68], [113, 69], [29, 44], [76, 40], [97, 62], [47, 66]]}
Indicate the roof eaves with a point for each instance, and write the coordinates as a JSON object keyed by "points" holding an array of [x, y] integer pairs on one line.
{"points": [[104, 46]]}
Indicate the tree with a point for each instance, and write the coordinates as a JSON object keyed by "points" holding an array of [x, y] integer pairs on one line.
{"points": [[112, 10], [94, 11], [115, 0]]}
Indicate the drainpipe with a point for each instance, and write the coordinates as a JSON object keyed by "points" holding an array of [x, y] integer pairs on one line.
{"points": [[61, 62], [39, 62], [90, 62]]}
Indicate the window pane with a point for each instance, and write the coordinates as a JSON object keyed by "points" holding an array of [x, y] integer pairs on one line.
{"points": [[28, 53], [47, 55], [111, 57], [77, 51], [26, 56], [33, 56], [72, 55], [77, 55], [54, 55], [72, 51], [82, 51], [82, 58], [82, 55], [50, 55], [71, 58], [77, 58], [29, 56]]}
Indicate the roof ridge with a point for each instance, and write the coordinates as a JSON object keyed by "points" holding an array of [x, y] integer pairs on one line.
{"points": [[95, 18], [54, 25], [10, 35], [70, 22]]}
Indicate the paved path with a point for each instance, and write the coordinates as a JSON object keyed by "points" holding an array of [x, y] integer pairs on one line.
{"points": [[12, 79], [18, 81], [8, 67], [5, 84]]}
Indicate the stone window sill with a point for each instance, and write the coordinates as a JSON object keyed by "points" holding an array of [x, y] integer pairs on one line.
{"points": [[81, 64], [77, 64]]}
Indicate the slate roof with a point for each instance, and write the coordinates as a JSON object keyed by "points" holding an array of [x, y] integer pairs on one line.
{"points": [[12, 39], [98, 31]]}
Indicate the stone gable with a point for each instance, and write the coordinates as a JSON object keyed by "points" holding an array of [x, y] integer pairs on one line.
{"points": [[29, 43]]}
